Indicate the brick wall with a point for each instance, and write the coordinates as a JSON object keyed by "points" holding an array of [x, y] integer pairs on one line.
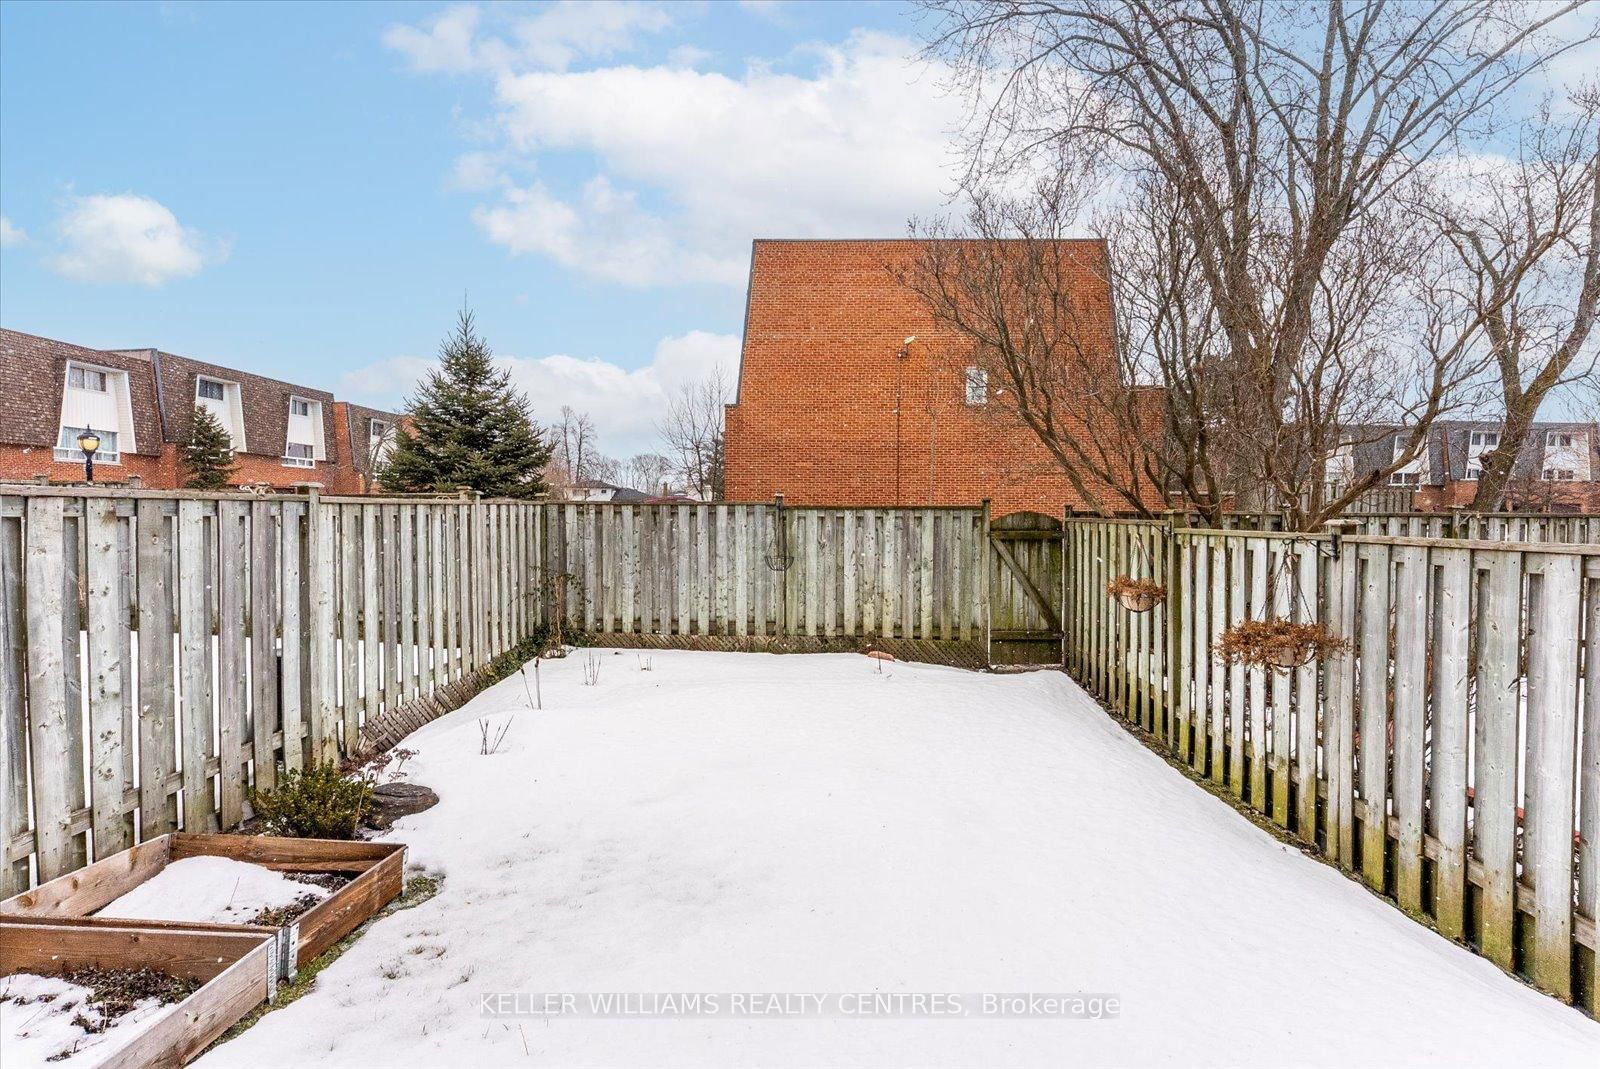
{"points": [[1523, 495], [23, 463], [821, 379]]}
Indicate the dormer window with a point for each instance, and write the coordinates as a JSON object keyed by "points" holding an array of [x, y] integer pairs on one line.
{"points": [[303, 435], [222, 400], [379, 439], [97, 399], [1479, 443], [1410, 473]]}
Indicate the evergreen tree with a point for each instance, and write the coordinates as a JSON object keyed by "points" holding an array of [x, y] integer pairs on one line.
{"points": [[207, 453], [470, 428]]}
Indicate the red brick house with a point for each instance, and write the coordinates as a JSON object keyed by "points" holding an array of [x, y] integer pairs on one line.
{"points": [[142, 402], [835, 408]]}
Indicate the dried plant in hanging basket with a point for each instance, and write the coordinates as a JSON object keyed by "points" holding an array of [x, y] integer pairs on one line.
{"points": [[1275, 643], [1136, 595]]}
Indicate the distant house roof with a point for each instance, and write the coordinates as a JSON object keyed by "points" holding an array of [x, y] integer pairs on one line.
{"points": [[619, 494]]}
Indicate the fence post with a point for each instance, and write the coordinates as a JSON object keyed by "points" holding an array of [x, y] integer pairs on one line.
{"points": [[983, 596], [781, 548], [1175, 697]]}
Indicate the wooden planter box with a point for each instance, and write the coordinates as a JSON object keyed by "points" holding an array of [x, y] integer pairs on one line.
{"points": [[237, 971], [377, 869]]}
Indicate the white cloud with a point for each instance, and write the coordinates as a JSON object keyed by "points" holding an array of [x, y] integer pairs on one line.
{"points": [[603, 233], [11, 234], [626, 404], [690, 165], [127, 238], [555, 37]]}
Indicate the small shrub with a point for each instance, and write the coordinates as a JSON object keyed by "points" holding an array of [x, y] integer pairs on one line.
{"points": [[1276, 643], [313, 803]]}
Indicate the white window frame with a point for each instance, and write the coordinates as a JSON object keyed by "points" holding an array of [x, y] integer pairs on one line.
{"points": [[66, 448], [201, 381], [303, 403], [291, 460], [1550, 441], [83, 371], [977, 386], [1559, 475]]}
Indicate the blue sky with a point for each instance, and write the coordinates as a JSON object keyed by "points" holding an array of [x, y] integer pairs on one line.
{"points": [[307, 191]]}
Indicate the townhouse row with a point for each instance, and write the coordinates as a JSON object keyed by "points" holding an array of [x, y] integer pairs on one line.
{"points": [[141, 403]]}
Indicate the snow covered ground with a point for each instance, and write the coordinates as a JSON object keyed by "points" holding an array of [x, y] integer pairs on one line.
{"points": [[39, 1024], [741, 823]]}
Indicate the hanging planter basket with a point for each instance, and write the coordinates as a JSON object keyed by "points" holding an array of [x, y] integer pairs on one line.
{"points": [[1136, 595], [1277, 643]]}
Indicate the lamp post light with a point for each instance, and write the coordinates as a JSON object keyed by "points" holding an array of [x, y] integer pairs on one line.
{"points": [[89, 442]]}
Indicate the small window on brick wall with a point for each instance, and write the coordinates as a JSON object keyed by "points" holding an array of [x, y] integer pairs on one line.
{"points": [[977, 386]]}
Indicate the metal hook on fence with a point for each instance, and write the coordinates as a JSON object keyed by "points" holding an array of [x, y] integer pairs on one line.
{"points": [[778, 557]]}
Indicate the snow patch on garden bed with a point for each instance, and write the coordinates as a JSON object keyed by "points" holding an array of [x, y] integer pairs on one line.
{"points": [[702, 822], [37, 1023], [211, 889]]}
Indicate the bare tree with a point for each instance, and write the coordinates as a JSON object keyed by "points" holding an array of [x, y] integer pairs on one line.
{"points": [[693, 432], [649, 472], [1275, 139], [604, 468], [1153, 412], [1527, 233], [574, 447]]}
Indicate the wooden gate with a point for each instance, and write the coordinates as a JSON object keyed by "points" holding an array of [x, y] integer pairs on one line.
{"points": [[1025, 584]]}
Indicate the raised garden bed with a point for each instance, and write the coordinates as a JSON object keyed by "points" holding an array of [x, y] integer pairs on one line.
{"points": [[232, 971], [372, 873]]}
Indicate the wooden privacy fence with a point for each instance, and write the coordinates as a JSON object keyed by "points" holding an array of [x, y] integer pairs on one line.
{"points": [[767, 571], [1495, 527], [1451, 759], [160, 653]]}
